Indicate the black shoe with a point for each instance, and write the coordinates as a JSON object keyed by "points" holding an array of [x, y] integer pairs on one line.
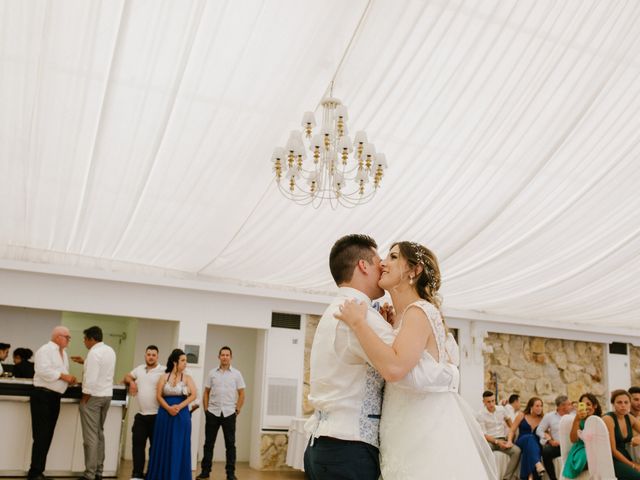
{"points": [[202, 476]]}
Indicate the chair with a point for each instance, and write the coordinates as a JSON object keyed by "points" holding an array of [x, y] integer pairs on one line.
{"points": [[598, 445], [565, 445], [502, 461]]}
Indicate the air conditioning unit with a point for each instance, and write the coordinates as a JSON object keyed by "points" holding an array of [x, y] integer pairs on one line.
{"points": [[284, 371]]}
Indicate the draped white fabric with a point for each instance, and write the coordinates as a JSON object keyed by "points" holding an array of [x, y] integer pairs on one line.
{"points": [[135, 136]]}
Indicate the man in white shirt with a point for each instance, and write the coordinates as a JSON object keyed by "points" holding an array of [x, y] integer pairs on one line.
{"points": [[346, 391], [142, 382], [493, 420], [224, 398], [97, 390], [50, 381], [549, 432], [512, 408]]}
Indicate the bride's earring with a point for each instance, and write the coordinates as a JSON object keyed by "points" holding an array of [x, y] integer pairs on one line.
{"points": [[410, 280]]}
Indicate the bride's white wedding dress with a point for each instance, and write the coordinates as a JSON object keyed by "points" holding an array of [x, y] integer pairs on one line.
{"points": [[427, 430]]}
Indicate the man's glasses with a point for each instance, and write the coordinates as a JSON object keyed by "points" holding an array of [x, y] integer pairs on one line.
{"points": [[65, 336]]}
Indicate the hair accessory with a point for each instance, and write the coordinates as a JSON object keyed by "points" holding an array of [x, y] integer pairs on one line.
{"points": [[417, 250], [423, 260]]}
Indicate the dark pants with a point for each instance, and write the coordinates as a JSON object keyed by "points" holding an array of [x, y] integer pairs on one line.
{"points": [[548, 454], [212, 425], [45, 408], [141, 431], [334, 459]]}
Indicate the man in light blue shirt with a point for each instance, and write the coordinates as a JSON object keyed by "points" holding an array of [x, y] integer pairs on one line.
{"points": [[549, 433], [223, 398]]}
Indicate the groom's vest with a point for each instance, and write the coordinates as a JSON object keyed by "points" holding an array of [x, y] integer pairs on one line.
{"points": [[346, 391]]}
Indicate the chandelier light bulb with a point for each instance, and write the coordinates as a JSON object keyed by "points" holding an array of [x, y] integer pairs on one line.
{"points": [[340, 168]]}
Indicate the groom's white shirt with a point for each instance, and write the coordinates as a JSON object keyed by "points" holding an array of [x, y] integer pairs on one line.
{"points": [[346, 391]]}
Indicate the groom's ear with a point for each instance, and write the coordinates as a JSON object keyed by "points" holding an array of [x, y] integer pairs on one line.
{"points": [[362, 265]]}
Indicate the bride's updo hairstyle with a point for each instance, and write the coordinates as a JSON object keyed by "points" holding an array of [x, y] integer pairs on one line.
{"points": [[427, 283]]}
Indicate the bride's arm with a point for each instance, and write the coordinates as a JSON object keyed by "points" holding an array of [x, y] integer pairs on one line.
{"points": [[393, 362]]}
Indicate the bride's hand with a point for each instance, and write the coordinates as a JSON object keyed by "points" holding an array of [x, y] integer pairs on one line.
{"points": [[352, 313], [388, 313]]}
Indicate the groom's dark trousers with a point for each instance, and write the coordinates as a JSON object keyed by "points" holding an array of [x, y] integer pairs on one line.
{"points": [[334, 459]]}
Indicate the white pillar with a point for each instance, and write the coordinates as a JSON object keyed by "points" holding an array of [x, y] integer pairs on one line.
{"points": [[471, 339], [193, 331]]}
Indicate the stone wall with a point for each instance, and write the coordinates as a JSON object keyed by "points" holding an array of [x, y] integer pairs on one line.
{"points": [[273, 451], [634, 364], [543, 367]]}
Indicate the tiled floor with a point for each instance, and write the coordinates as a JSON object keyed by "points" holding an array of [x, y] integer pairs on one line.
{"points": [[243, 472]]}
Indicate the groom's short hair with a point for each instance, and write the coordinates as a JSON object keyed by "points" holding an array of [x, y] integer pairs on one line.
{"points": [[347, 252]]}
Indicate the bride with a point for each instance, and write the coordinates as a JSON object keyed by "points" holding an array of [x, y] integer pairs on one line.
{"points": [[426, 430]]}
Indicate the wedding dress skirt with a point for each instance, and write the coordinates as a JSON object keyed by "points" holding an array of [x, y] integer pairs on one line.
{"points": [[427, 430]]}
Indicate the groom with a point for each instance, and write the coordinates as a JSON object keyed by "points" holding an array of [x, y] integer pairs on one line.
{"points": [[346, 391]]}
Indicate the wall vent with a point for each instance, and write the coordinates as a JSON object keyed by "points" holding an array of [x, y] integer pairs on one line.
{"points": [[618, 348], [282, 396], [285, 320]]}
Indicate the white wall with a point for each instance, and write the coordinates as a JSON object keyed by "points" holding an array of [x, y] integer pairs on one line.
{"points": [[242, 342], [26, 327]]}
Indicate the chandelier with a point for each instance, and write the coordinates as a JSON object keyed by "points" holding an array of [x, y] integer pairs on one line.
{"points": [[336, 168]]}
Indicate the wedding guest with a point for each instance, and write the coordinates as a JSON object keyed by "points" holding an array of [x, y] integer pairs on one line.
{"points": [[531, 465], [50, 381], [170, 456], [493, 420], [4, 353], [576, 461], [622, 425], [224, 398], [97, 390], [635, 401], [22, 367], [513, 406], [549, 433], [143, 382]]}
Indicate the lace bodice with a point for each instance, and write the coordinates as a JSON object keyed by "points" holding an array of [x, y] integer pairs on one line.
{"points": [[437, 325], [434, 374], [180, 388]]}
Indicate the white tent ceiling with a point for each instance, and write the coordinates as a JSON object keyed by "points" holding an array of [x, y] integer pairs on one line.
{"points": [[135, 137]]}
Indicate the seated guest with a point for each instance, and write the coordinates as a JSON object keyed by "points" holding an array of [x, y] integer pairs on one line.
{"points": [[531, 466], [513, 406], [621, 426], [635, 401], [4, 353], [23, 368], [493, 420], [577, 457], [549, 433]]}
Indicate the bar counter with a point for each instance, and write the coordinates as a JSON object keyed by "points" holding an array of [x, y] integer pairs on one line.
{"points": [[66, 456]]}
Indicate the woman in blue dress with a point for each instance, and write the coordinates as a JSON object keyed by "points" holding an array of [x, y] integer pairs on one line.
{"points": [[170, 456], [531, 466]]}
